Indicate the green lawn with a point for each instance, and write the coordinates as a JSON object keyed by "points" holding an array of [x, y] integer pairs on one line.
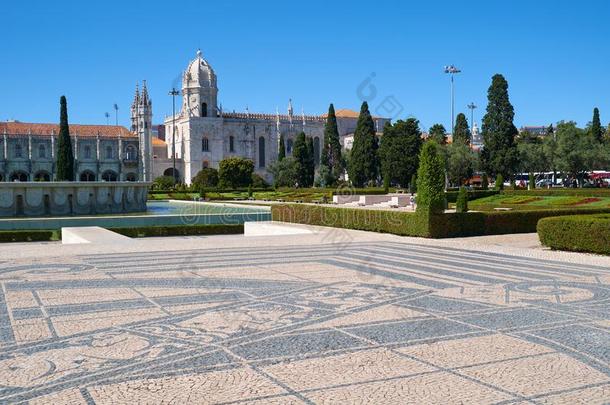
{"points": [[526, 202]]}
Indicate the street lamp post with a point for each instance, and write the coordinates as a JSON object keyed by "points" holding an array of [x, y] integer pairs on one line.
{"points": [[174, 93], [452, 70], [471, 106]]}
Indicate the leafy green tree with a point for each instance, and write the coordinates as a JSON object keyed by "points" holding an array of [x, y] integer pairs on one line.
{"points": [[399, 151], [438, 133], [163, 183], [485, 182], [532, 154], [65, 154], [364, 166], [577, 151], [282, 152], [461, 204], [499, 154], [461, 162], [461, 132], [431, 179], [285, 172], [235, 172], [596, 126], [331, 150], [259, 181], [205, 178]]}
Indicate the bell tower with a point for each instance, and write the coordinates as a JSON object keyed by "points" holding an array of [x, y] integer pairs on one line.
{"points": [[199, 89], [141, 124]]}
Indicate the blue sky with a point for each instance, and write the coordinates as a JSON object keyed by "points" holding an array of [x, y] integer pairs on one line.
{"points": [[554, 54]]}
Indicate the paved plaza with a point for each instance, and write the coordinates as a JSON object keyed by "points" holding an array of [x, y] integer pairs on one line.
{"points": [[335, 317]]}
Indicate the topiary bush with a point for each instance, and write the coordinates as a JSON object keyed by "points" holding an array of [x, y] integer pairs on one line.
{"points": [[431, 179], [461, 205], [579, 233], [34, 235]]}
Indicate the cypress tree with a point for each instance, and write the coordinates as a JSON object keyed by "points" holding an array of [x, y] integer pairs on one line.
{"points": [[431, 179], [531, 181], [301, 155], [311, 162], [485, 182], [413, 184], [499, 182], [65, 155], [282, 153], [399, 150], [499, 153], [363, 164], [330, 158], [461, 132], [596, 126]]}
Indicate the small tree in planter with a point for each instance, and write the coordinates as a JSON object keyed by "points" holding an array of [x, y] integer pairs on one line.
{"points": [[461, 204]]}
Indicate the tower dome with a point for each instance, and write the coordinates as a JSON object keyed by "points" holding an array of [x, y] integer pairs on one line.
{"points": [[199, 73], [199, 91]]}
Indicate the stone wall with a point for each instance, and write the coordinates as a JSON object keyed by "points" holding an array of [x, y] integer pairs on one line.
{"points": [[71, 198]]}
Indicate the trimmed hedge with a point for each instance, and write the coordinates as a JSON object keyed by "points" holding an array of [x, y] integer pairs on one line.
{"points": [[30, 235], [472, 194], [496, 223], [561, 192], [395, 222], [180, 230], [403, 223], [579, 233]]}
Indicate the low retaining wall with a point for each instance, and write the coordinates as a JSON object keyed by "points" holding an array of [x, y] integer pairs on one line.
{"points": [[71, 198]]}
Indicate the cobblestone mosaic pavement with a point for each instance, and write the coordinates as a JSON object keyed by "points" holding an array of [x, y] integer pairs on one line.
{"points": [[364, 322]]}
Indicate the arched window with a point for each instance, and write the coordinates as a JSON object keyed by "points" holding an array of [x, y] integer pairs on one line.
{"points": [[289, 147], [42, 152], [130, 153], [87, 152], [87, 175], [130, 177], [108, 152], [109, 175], [316, 150], [42, 176], [261, 152], [205, 164], [205, 145], [18, 176], [231, 144], [18, 151], [170, 172], [204, 110]]}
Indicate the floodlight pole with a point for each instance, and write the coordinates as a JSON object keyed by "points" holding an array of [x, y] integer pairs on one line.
{"points": [[452, 70], [116, 114]]}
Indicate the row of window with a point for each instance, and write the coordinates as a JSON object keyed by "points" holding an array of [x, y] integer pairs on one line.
{"points": [[130, 152], [87, 175], [205, 147]]}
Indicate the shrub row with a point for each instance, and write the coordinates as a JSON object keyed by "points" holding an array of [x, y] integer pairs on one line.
{"points": [[180, 230], [579, 233], [472, 194], [29, 235], [559, 192], [395, 222], [418, 224]]}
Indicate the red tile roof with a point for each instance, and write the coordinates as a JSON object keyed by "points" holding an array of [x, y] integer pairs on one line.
{"points": [[158, 142], [25, 128]]}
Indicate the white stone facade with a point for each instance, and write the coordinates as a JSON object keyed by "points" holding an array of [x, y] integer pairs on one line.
{"points": [[205, 134]]}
